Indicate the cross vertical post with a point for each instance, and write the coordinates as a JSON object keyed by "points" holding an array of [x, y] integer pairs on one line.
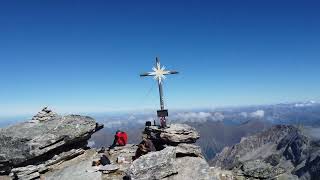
{"points": [[160, 89], [159, 75]]}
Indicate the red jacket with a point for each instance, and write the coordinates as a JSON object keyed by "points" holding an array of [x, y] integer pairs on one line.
{"points": [[122, 138]]}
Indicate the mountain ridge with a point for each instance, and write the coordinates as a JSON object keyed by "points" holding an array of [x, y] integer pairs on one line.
{"points": [[283, 148]]}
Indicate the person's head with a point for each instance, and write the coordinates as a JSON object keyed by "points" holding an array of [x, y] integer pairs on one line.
{"points": [[118, 131]]}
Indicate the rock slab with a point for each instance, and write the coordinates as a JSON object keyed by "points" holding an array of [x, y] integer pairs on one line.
{"points": [[154, 165], [35, 142], [191, 168], [175, 133]]}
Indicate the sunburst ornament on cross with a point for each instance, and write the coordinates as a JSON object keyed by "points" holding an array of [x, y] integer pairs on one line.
{"points": [[159, 74]]}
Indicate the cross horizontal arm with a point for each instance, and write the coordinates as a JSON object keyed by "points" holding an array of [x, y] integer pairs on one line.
{"points": [[146, 74], [173, 72]]}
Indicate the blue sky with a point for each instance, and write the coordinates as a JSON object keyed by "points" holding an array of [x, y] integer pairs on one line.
{"points": [[85, 56]]}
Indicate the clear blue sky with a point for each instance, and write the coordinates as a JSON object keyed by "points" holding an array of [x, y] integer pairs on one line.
{"points": [[85, 56]]}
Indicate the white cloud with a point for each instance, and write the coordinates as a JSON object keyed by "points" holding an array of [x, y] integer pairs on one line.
{"points": [[197, 116], [257, 114], [305, 104], [132, 117], [114, 123], [217, 116], [244, 114], [191, 116]]}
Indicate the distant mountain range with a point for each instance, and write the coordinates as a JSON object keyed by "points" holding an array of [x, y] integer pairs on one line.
{"points": [[302, 113], [220, 127]]}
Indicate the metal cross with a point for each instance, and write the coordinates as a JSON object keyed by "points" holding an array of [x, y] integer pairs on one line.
{"points": [[159, 74]]}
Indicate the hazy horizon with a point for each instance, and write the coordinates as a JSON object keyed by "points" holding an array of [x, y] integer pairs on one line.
{"points": [[29, 114]]}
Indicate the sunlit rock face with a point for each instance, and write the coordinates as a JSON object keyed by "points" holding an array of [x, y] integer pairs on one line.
{"points": [[154, 165], [43, 137], [174, 134], [177, 157]]}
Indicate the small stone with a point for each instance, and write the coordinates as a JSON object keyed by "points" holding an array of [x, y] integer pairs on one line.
{"points": [[109, 168], [121, 159]]}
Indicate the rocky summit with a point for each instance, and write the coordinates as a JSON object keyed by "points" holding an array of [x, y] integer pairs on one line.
{"points": [[51, 146], [176, 156], [172, 160]]}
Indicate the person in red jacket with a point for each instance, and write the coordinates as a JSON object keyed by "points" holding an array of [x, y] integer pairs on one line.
{"points": [[120, 139]]}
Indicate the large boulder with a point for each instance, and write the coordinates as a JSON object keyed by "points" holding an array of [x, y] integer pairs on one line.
{"points": [[175, 134], [184, 149], [37, 141], [190, 168], [154, 165], [181, 158]]}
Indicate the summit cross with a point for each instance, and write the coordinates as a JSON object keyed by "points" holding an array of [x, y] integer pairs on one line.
{"points": [[158, 74]]}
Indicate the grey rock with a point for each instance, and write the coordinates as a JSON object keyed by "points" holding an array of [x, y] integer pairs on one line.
{"points": [[273, 159], [219, 174], [27, 172], [53, 149], [30, 171], [35, 175], [175, 133], [154, 165], [5, 177], [4, 164], [184, 149], [64, 156], [108, 168], [44, 115], [295, 147], [124, 152], [287, 177], [310, 170], [260, 170], [191, 168], [28, 143], [77, 170]]}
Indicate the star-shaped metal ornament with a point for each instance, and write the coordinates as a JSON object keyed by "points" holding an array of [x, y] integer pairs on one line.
{"points": [[159, 72]]}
